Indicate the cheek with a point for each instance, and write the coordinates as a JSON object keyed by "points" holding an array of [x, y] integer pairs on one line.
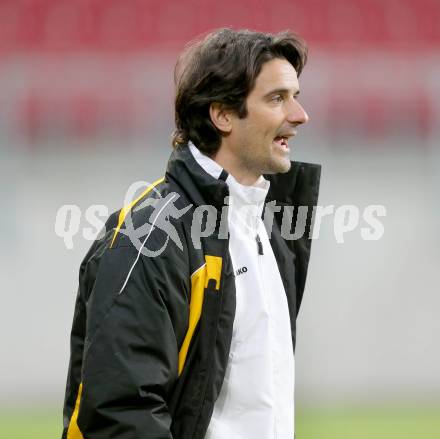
{"points": [[259, 125], [270, 121], [266, 124]]}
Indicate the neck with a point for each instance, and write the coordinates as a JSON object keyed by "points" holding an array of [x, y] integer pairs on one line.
{"points": [[229, 162]]}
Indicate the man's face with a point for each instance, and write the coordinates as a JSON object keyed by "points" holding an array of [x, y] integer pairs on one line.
{"points": [[259, 142]]}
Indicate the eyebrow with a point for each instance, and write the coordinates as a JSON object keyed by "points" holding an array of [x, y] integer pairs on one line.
{"points": [[280, 91]]}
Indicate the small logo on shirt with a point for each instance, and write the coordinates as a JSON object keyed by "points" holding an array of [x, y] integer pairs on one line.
{"points": [[240, 271]]}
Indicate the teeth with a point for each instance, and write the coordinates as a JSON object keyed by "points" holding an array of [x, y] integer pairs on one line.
{"points": [[283, 140]]}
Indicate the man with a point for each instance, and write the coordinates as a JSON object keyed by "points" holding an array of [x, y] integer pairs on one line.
{"points": [[193, 337]]}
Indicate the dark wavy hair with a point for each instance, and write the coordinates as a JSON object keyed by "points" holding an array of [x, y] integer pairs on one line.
{"points": [[222, 68]]}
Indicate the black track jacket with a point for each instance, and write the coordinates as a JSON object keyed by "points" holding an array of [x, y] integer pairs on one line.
{"points": [[152, 329]]}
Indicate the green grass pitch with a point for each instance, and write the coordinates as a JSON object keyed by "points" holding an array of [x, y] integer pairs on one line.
{"points": [[359, 423]]}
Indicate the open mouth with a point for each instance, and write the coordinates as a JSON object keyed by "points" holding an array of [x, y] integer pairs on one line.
{"points": [[282, 142]]}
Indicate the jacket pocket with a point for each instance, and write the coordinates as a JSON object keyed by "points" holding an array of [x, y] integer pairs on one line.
{"points": [[207, 333]]}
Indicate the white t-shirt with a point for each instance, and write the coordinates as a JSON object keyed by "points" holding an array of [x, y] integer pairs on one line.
{"points": [[257, 396]]}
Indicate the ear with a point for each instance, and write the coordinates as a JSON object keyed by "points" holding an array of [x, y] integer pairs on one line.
{"points": [[220, 117]]}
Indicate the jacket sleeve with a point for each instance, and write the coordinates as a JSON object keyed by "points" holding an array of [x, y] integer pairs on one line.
{"points": [[137, 316], [87, 276]]}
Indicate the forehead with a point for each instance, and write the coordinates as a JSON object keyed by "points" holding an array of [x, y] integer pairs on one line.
{"points": [[276, 74]]}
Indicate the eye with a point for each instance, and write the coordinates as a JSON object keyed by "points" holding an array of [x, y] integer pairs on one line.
{"points": [[277, 98]]}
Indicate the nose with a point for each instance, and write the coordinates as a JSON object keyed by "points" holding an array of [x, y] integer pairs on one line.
{"points": [[296, 113]]}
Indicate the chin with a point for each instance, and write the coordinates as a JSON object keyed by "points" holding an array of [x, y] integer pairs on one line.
{"points": [[282, 166]]}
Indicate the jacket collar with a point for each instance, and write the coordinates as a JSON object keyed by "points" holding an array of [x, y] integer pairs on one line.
{"points": [[253, 196], [297, 187], [199, 186]]}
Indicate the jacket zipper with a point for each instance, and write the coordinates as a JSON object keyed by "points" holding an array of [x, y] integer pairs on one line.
{"points": [[259, 245]]}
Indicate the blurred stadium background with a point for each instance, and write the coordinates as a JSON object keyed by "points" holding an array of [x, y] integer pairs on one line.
{"points": [[86, 109]]}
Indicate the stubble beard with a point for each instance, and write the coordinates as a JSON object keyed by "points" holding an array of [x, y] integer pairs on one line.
{"points": [[268, 163], [276, 164]]}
